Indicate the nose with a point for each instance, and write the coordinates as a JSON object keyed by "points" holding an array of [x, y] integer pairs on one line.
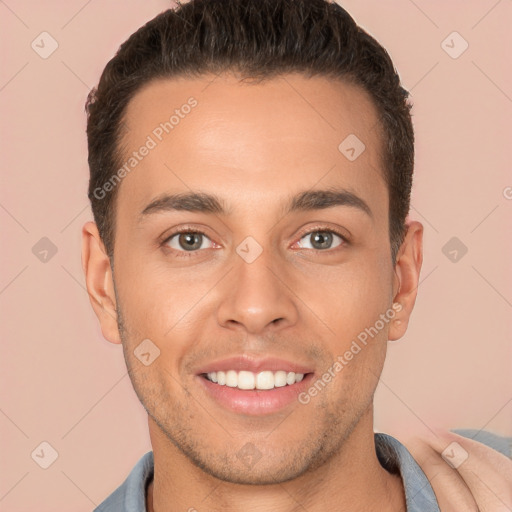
{"points": [[257, 297]]}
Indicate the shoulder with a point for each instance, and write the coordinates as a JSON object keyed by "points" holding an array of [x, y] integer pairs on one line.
{"points": [[130, 496]]}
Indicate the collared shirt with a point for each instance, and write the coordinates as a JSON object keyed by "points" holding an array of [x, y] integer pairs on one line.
{"points": [[393, 456]]}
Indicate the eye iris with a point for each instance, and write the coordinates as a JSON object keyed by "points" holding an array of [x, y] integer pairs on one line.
{"points": [[190, 241], [321, 239]]}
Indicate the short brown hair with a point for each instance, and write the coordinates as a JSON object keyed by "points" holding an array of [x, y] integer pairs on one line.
{"points": [[257, 39]]}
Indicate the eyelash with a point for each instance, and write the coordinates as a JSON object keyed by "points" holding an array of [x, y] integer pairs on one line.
{"points": [[189, 254]]}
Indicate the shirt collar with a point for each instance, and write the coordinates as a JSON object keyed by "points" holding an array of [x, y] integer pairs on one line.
{"points": [[395, 457]]}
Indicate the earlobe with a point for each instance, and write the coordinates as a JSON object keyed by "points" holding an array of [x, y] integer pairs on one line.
{"points": [[99, 281], [407, 271]]}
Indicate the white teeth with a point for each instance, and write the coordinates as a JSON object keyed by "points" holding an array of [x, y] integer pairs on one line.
{"points": [[265, 380], [231, 379], [249, 380], [280, 379], [246, 380]]}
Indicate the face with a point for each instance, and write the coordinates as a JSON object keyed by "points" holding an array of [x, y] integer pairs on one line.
{"points": [[262, 276]]}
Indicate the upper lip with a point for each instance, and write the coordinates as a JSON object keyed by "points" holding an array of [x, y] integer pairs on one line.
{"points": [[253, 364]]}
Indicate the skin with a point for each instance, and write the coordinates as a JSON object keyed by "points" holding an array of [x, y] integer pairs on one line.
{"points": [[481, 483], [254, 146]]}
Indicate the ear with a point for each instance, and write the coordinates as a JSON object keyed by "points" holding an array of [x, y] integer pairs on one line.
{"points": [[99, 281], [407, 272]]}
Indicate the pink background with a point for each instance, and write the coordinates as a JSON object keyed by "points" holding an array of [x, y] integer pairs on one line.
{"points": [[64, 384]]}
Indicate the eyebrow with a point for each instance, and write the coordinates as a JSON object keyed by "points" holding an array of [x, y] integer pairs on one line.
{"points": [[209, 203]]}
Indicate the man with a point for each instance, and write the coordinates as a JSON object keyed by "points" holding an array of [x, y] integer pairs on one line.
{"points": [[251, 166]]}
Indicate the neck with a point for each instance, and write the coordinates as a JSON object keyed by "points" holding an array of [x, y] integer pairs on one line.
{"points": [[352, 479]]}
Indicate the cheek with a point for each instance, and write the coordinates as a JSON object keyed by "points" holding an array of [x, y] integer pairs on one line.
{"points": [[350, 297], [160, 303]]}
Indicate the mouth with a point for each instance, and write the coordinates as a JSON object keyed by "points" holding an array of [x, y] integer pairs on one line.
{"points": [[247, 380], [248, 385], [253, 394]]}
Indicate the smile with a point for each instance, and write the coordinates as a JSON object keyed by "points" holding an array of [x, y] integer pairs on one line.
{"points": [[246, 380], [255, 394]]}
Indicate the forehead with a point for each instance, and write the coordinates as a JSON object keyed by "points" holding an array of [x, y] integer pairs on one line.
{"points": [[218, 134]]}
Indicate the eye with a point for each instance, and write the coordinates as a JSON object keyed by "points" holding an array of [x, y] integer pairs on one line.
{"points": [[322, 240], [188, 241]]}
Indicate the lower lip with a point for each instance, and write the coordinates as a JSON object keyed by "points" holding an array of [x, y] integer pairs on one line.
{"points": [[255, 402]]}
